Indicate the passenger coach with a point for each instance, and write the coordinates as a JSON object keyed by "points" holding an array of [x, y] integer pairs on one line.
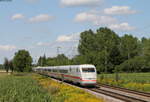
{"points": [[80, 74]]}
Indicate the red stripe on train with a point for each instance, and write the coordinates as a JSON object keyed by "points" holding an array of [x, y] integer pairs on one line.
{"points": [[75, 77], [88, 80]]}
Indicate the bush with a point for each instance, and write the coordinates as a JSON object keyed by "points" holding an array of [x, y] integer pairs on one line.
{"points": [[136, 64]]}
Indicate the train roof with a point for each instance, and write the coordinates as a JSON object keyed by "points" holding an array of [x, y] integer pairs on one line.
{"points": [[66, 66]]}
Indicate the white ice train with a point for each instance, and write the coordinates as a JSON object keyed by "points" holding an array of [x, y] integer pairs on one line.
{"points": [[80, 74]]}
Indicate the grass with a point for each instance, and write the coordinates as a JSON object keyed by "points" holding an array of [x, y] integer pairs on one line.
{"points": [[21, 89], [135, 81], [36, 88]]}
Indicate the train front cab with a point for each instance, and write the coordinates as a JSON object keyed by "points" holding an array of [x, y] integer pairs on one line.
{"points": [[88, 76]]}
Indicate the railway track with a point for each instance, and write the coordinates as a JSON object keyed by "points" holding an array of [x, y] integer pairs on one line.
{"points": [[122, 93], [126, 90], [117, 95]]}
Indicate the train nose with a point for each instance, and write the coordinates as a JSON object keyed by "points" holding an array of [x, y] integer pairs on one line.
{"points": [[89, 76], [88, 82], [88, 79]]}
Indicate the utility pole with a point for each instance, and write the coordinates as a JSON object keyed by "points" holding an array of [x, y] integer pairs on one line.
{"points": [[105, 59], [58, 50], [41, 62]]}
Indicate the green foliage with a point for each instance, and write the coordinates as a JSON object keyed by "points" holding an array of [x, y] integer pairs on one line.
{"points": [[11, 66], [107, 51], [6, 65], [100, 48], [61, 59], [22, 89], [146, 47], [1, 66], [135, 81], [42, 61], [136, 64], [22, 61], [129, 46]]}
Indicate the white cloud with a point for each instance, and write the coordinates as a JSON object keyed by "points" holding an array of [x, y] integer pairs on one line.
{"points": [[71, 3], [122, 27], [41, 18], [42, 44], [7, 47], [17, 16], [97, 19], [68, 38], [116, 10], [94, 18]]}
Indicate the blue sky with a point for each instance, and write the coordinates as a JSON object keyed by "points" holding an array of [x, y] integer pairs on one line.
{"points": [[41, 26]]}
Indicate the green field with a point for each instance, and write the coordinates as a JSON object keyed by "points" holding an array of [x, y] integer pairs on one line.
{"points": [[136, 81], [28, 87], [21, 89]]}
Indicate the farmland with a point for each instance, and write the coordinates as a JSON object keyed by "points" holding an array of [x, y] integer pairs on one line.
{"points": [[135, 81], [35, 88], [21, 89]]}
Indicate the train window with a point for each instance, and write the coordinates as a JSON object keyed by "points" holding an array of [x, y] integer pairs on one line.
{"points": [[49, 70], [63, 71], [70, 69], [77, 70], [54, 70], [88, 70]]}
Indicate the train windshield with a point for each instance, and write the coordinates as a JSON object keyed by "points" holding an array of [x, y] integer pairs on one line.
{"points": [[85, 70]]}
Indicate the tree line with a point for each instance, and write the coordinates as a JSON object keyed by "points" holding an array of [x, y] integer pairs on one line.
{"points": [[104, 48], [21, 62], [108, 52]]}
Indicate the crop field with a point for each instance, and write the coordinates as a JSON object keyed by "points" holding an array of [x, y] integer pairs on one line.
{"points": [[21, 89], [135, 81], [36, 88]]}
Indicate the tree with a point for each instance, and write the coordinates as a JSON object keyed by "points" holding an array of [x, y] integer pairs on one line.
{"points": [[86, 42], [61, 59], [146, 47], [22, 61], [136, 64], [111, 53], [42, 61], [130, 47], [11, 66], [6, 65], [100, 48], [1, 66]]}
